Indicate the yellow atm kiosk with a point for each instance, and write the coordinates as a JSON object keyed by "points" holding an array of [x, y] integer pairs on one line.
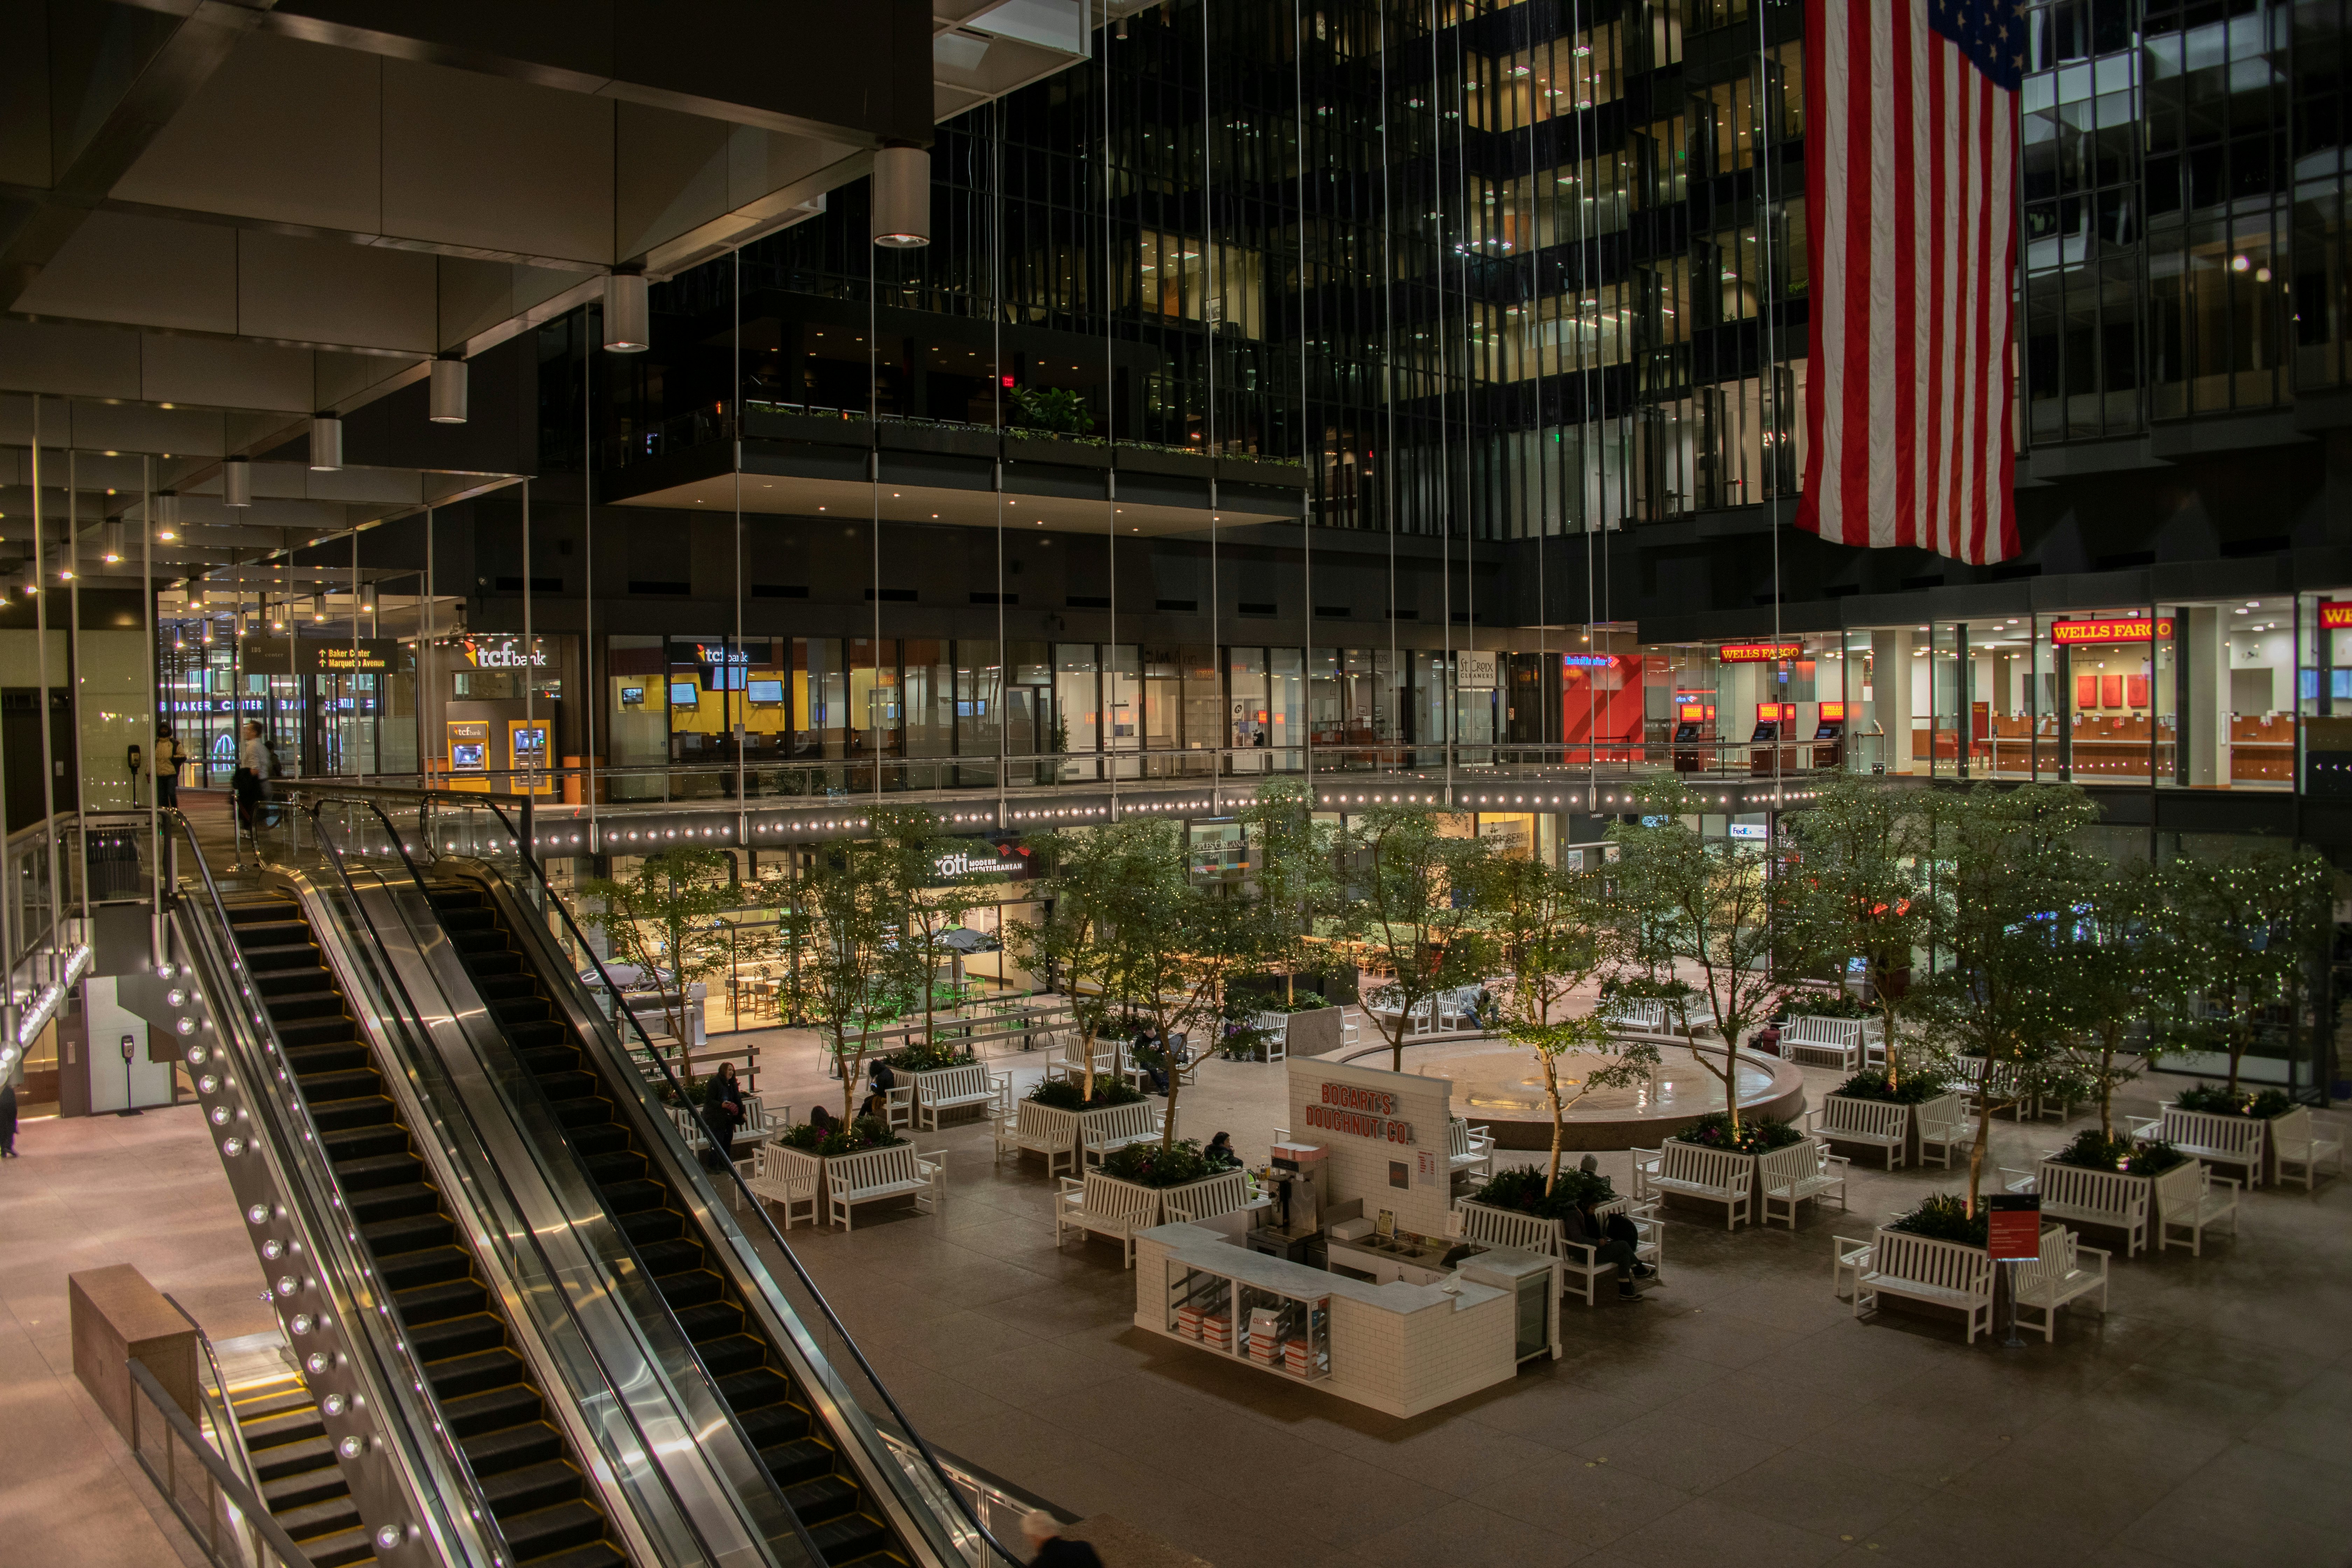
{"points": [[527, 745], [469, 760]]}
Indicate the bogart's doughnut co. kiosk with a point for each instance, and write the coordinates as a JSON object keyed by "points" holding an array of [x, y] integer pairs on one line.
{"points": [[1349, 1284]]}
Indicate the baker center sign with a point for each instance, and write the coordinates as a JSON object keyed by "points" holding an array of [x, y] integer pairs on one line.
{"points": [[1361, 1113]]}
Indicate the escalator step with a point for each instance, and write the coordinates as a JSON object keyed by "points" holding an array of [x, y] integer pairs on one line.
{"points": [[549, 1529], [801, 1459], [458, 1376], [273, 934], [730, 1353], [599, 1138], [378, 1171], [563, 1086], [544, 1059], [850, 1537], [292, 1453], [400, 1200], [757, 1389], [823, 1497], [714, 1322], [507, 962], [689, 1289], [588, 1110], [510, 1448], [406, 1233], [531, 1487], [449, 1337], [531, 1033], [356, 1143], [304, 1005], [430, 1263], [430, 1303], [595, 1554], [327, 1516], [618, 1168], [345, 1115], [319, 1032], [340, 1549], [771, 1425], [676, 1255], [320, 1483], [343, 1082], [517, 1404], [645, 1225], [628, 1197]]}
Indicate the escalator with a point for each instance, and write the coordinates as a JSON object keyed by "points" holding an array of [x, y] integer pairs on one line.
{"points": [[819, 1482], [448, 1310]]}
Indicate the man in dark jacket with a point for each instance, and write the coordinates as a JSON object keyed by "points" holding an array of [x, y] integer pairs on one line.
{"points": [[722, 1112], [1580, 1226], [7, 1121]]}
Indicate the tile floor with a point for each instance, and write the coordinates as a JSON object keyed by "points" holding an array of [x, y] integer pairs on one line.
{"points": [[1737, 1412]]}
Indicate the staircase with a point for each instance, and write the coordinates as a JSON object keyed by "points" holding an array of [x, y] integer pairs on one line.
{"points": [[301, 1483], [448, 1311], [818, 1484]]}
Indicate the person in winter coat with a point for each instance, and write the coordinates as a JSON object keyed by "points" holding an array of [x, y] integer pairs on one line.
{"points": [[1055, 1549], [7, 1121], [722, 1112]]}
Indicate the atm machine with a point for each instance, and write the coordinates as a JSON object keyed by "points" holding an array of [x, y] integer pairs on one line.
{"points": [[1767, 756], [1694, 736], [1828, 736]]}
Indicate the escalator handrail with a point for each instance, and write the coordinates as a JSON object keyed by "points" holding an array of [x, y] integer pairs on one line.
{"points": [[247, 1500], [233, 1435], [931, 1460], [555, 900], [453, 1524], [815, 1555]]}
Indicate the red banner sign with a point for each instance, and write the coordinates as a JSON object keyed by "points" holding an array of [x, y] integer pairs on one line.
{"points": [[1832, 712], [2013, 1227], [1776, 712], [1760, 652], [2134, 628], [2335, 615]]}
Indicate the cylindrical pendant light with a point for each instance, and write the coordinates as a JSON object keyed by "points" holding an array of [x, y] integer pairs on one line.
{"points": [[236, 482], [628, 314], [449, 392], [112, 550], [902, 197], [166, 514], [326, 443]]}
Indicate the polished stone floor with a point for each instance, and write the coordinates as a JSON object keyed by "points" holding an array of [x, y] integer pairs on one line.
{"points": [[1738, 1413]]}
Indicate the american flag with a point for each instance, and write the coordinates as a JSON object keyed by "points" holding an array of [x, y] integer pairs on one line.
{"points": [[1911, 216]]}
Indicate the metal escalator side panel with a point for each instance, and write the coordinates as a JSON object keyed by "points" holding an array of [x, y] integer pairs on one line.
{"points": [[927, 1521], [654, 1373], [479, 1165], [397, 1468]]}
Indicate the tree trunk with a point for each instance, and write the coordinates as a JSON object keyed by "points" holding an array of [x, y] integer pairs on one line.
{"points": [[1086, 1048], [1984, 1133], [2110, 1036], [1558, 1118], [2238, 1043]]}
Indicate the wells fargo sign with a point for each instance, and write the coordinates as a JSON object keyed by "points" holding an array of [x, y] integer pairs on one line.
{"points": [[1361, 1113], [2129, 628], [1760, 652], [2335, 615]]}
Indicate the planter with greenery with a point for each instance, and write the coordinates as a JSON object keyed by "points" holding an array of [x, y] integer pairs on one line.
{"points": [[1522, 1191], [1758, 1135], [1945, 1216], [1061, 1094], [815, 1149], [2095, 1151], [934, 1057], [2214, 1100], [1927, 1093], [1173, 1171]]}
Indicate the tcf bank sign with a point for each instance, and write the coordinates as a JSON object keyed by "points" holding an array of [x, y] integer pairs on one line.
{"points": [[1361, 1113]]}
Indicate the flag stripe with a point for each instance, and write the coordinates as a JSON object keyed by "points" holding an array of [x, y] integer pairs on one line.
{"points": [[1909, 151]]}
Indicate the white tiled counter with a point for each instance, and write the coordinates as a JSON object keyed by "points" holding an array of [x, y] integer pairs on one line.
{"points": [[1397, 1348]]}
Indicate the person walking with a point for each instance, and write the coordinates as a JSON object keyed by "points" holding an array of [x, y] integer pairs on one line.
{"points": [[722, 1112], [7, 1121], [166, 766], [245, 791]]}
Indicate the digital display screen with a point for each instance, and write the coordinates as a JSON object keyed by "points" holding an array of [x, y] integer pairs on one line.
{"points": [[684, 694], [767, 691], [632, 696], [1828, 732], [467, 756]]}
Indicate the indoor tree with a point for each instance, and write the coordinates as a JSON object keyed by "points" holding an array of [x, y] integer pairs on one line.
{"points": [[1412, 903], [1074, 945], [1682, 902], [842, 915], [2113, 953], [936, 901], [1857, 889], [2241, 937], [655, 917], [2011, 872]]}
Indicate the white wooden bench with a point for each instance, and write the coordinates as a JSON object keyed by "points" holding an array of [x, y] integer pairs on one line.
{"points": [[1469, 1149], [872, 1175], [2189, 1198], [697, 1134], [1645, 1171], [2060, 1275], [2297, 1140], [2094, 1198], [956, 1088], [1275, 1028], [1945, 1126], [1790, 1176], [1098, 1204], [1849, 1260], [1111, 1128], [1823, 1042], [2212, 1138], [1652, 1016], [1580, 1269], [791, 1184], [1713, 1176], [1206, 1199], [2001, 1089], [1072, 1064], [1039, 1128], [1921, 1269], [1881, 1124]]}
